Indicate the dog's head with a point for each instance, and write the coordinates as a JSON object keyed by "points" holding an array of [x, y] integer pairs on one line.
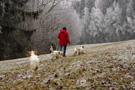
{"points": [[29, 52], [82, 46], [60, 53], [35, 51]]}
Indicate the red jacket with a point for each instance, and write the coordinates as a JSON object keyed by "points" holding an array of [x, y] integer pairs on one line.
{"points": [[63, 38]]}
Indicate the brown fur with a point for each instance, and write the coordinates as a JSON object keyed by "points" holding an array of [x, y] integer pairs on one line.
{"points": [[29, 52], [35, 51]]}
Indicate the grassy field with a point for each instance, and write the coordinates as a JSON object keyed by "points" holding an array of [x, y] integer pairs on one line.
{"points": [[103, 67]]}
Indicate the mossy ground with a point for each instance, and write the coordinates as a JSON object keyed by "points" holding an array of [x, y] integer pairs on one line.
{"points": [[103, 67]]}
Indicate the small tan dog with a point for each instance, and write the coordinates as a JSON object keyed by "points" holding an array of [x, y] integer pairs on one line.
{"points": [[79, 50], [34, 60], [55, 54]]}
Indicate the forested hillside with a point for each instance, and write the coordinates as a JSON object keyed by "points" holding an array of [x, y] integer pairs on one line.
{"points": [[106, 20], [34, 24]]}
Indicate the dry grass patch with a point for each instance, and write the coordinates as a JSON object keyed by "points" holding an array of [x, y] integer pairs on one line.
{"points": [[103, 67]]}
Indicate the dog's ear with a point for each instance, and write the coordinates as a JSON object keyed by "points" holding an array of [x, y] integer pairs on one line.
{"points": [[29, 53], [58, 52], [35, 51], [61, 53], [82, 46]]}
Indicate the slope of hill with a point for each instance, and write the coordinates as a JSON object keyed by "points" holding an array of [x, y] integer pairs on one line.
{"points": [[108, 66]]}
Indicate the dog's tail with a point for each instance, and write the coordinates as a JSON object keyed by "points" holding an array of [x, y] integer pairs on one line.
{"points": [[51, 49]]}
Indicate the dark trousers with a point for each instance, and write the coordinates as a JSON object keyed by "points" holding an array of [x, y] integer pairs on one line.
{"points": [[64, 52]]}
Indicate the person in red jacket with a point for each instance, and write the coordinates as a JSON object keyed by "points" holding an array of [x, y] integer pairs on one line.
{"points": [[63, 40]]}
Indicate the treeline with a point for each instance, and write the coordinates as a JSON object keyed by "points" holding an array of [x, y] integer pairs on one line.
{"points": [[106, 20], [30, 24]]}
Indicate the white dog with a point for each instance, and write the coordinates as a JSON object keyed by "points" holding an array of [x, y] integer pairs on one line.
{"points": [[55, 54], [76, 51], [82, 49], [34, 60], [79, 50]]}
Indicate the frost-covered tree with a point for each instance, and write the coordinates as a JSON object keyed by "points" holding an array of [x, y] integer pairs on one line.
{"points": [[113, 22], [95, 25], [109, 20], [35, 24]]}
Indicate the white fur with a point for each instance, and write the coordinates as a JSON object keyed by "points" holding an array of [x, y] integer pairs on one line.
{"points": [[55, 54], [34, 62], [76, 51], [79, 50]]}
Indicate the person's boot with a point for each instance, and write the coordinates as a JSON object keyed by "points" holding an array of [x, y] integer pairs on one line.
{"points": [[64, 55]]}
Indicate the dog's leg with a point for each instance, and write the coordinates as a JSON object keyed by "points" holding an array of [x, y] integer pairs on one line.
{"points": [[56, 56], [53, 58], [33, 72], [83, 52], [75, 52], [78, 52]]}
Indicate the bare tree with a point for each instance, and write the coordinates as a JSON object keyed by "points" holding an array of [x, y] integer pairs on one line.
{"points": [[34, 24]]}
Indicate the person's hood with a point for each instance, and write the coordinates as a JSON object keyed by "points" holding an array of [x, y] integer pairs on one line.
{"points": [[63, 31]]}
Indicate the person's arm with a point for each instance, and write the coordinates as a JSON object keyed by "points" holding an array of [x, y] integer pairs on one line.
{"points": [[68, 38], [59, 36]]}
